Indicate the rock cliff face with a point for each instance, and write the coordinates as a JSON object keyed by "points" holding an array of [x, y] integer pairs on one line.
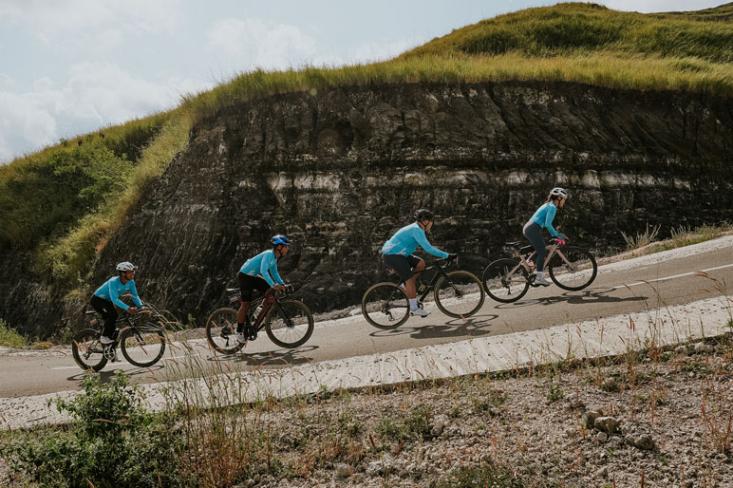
{"points": [[339, 171]]}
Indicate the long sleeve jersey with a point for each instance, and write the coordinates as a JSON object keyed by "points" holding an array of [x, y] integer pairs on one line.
{"points": [[263, 265], [113, 288], [407, 239], [544, 217]]}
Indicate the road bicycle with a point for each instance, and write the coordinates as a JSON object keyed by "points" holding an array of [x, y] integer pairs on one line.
{"points": [[141, 338], [507, 280], [458, 294], [287, 321]]}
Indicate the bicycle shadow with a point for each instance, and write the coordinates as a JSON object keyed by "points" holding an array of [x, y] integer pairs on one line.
{"points": [[476, 325], [586, 297], [280, 357], [106, 375]]}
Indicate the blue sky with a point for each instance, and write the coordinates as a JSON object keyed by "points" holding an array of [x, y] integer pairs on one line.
{"points": [[72, 66]]}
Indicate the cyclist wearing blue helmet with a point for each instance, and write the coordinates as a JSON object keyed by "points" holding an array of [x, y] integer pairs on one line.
{"points": [[259, 273]]}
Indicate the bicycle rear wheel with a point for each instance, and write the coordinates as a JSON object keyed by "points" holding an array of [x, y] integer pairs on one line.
{"points": [[221, 330], [289, 323], [573, 268], [459, 294], [505, 280], [88, 352], [142, 346], [385, 306]]}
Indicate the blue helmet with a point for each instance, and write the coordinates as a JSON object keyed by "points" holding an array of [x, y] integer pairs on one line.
{"points": [[279, 239]]}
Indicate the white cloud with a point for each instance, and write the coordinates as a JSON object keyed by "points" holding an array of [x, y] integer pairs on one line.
{"points": [[94, 95], [379, 51], [253, 43]]}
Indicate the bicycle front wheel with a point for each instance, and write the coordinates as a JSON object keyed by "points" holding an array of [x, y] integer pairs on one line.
{"points": [[221, 331], [459, 294], [142, 346], [88, 352], [289, 323], [505, 280], [385, 306], [573, 268]]}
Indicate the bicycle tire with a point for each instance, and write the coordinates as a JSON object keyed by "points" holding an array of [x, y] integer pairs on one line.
{"points": [[289, 321], [497, 270], [141, 342], [558, 262], [380, 300], [228, 317], [83, 340], [471, 281]]}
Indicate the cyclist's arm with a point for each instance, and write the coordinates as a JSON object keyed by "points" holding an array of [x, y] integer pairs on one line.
{"points": [[135, 297], [549, 217], [276, 274], [422, 241], [265, 270], [114, 297]]}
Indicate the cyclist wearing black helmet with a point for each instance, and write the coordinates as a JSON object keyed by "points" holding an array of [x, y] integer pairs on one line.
{"points": [[542, 219], [398, 255], [259, 273]]}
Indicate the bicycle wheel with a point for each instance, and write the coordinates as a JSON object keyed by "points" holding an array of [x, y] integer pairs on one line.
{"points": [[221, 330], [385, 306], [289, 323], [505, 280], [88, 352], [142, 346], [573, 268], [459, 294]]}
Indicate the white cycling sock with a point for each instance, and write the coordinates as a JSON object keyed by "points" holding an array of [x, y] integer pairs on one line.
{"points": [[540, 274], [413, 303]]}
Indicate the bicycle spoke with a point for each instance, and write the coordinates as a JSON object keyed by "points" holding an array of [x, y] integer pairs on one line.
{"points": [[459, 294], [385, 306], [573, 268], [505, 280]]}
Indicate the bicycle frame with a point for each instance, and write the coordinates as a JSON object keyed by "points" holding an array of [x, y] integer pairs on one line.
{"points": [[524, 259], [268, 300], [431, 286]]}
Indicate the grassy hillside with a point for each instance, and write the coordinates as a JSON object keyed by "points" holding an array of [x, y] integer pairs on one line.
{"points": [[65, 201]]}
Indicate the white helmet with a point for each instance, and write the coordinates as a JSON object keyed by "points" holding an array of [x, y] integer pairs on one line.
{"points": [[126, 266], [559, 192]]}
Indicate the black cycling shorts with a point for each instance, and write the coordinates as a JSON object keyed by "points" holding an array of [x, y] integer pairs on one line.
{"points": [[248, 284], [402, 265]]}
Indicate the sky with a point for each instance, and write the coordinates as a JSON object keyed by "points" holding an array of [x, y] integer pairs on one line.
{"points": [[69, 67]]}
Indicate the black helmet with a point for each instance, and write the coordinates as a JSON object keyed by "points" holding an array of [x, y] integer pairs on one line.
{"points": [[423, 214]]}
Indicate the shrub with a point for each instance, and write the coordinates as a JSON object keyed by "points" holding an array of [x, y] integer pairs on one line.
{"points": [[113, 442], [9, 337]]}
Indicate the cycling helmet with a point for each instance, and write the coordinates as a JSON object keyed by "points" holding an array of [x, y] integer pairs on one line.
{"points": [[126, 266], [423, 214], [559, 192], [279, 239]]}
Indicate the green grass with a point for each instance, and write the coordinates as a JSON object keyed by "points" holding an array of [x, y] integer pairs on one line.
{"points": [[9, 337]]}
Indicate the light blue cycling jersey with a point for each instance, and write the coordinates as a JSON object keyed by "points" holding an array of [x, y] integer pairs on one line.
{"points": [[263, 265], [544, 217], [113, 288], [407, 239]]}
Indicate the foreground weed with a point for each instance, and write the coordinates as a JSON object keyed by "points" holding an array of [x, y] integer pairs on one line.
{"points": [[10, 337]]}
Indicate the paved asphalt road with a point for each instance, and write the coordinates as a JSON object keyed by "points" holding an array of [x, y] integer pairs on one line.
{"points": [[615, 291]]}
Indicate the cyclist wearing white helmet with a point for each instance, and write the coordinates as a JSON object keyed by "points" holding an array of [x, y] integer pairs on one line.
{"points": [[106, 300], [542, 219], [398, 255], [259, 273]]}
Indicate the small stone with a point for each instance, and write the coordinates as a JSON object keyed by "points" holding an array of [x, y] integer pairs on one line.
{"points": [[343, 471], [601, 438], [703, 348], [644, 442], [606, 424], [589, 418], [439, 424], [375, 468], [602, 473], [610, 385], [681, 350], [615, 442]]}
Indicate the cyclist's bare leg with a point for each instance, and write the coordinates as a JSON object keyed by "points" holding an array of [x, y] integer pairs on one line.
{"points": [[411, 283]]}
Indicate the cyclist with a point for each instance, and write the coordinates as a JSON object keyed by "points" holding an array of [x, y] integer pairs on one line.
{"points": [[542, 219], [259, 273], [106, 300], [397, 255]]}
